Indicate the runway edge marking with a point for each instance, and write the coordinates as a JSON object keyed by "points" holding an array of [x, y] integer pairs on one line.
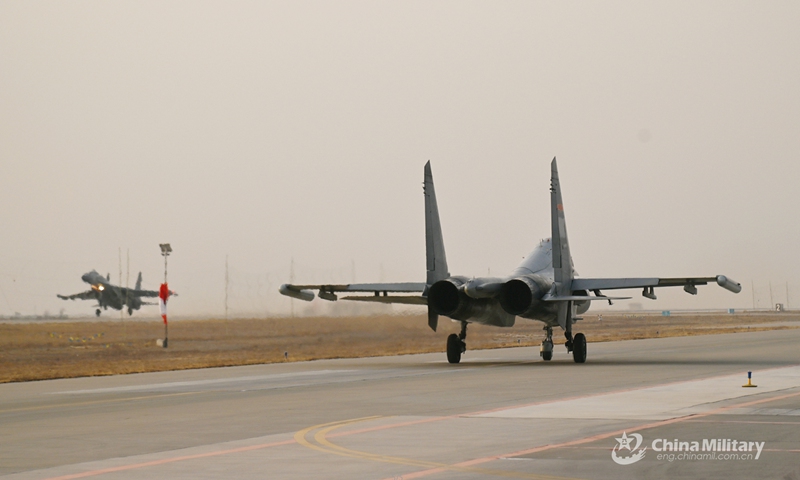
{"points": [[163, 461]]}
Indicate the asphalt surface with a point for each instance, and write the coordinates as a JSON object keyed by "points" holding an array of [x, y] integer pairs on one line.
{"points": [[500, 413]]}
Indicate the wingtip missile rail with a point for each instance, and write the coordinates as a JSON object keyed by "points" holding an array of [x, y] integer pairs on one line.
{"points": [[728, 284], [290, 291]]}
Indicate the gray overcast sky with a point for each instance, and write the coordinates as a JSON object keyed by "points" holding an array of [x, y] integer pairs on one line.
{"points": [[276, 130]]}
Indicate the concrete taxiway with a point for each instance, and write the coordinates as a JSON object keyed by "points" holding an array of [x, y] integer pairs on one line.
{"points": [[501, 413]]}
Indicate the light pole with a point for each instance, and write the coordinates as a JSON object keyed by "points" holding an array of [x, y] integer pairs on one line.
{"points": [[166, 249]]}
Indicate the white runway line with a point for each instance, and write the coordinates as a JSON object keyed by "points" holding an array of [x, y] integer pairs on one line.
{"points": [[216, 381], [661, 402]]}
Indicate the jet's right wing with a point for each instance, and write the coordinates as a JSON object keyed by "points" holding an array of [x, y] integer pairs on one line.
{"points": [[138, 293], [87, 295], [380, 292], [688, 283]]}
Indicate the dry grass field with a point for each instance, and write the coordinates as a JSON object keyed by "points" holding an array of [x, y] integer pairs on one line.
{"points": [[37, 351]]}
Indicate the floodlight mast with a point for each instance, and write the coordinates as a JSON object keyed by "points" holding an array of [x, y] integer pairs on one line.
{"points": [[166, 249]]}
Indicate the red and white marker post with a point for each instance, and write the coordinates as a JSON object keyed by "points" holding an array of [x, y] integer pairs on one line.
{"points": [[163, 296], [163, 292]]}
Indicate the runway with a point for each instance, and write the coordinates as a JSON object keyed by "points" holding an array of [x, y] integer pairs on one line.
{"points": [[500, 414]]}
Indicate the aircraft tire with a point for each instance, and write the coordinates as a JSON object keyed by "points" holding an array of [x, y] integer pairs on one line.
{"points": [[546, 350], [454, 348], [579, 348], [97, 312]]}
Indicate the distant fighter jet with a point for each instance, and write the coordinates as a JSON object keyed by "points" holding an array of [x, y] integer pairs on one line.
{"points": [[542, 288], [108, 295]]}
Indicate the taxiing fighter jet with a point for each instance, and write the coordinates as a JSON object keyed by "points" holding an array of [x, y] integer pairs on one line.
{"points": [[544, 286], [108, 295]]}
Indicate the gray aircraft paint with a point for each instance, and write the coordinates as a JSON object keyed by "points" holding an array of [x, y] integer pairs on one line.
{"points": [[108, 295], [541, 288]]}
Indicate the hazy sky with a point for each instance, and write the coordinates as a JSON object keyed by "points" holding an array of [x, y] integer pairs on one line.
{"points": [[268, 131]]}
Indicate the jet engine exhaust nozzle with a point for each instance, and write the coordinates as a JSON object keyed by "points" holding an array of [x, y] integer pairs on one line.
{"points": [[447, 298], [520, 296], [444, 297]]}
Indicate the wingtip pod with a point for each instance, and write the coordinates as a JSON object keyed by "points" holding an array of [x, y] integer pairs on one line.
{"points": [[728, 284], [290, 291]]}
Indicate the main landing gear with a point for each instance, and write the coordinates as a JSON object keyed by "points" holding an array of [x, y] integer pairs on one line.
{"points": [[456, 345], [576, 345], [579, 348], [546, 350], [97, 312]]}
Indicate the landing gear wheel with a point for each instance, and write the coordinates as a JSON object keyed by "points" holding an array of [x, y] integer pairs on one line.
{"points": [[546, 350], [454, 348], [97, 312], [579, 348]]}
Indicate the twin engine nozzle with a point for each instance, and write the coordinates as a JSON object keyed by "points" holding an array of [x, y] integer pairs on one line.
{"points": [[460, 298]]}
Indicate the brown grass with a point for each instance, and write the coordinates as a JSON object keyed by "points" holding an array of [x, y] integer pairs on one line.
{"points": [[37, 351]]}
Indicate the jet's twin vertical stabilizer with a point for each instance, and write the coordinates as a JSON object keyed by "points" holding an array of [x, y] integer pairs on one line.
{"points": [[562, 259], [434, 243]]}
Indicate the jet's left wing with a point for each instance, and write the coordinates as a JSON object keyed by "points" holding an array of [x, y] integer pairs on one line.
{"points": [[689, 284], [380, 292], [87, 295]]}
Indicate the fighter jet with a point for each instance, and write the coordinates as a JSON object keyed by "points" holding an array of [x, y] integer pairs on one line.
{"points": [[544, 287], [108, 295]]}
